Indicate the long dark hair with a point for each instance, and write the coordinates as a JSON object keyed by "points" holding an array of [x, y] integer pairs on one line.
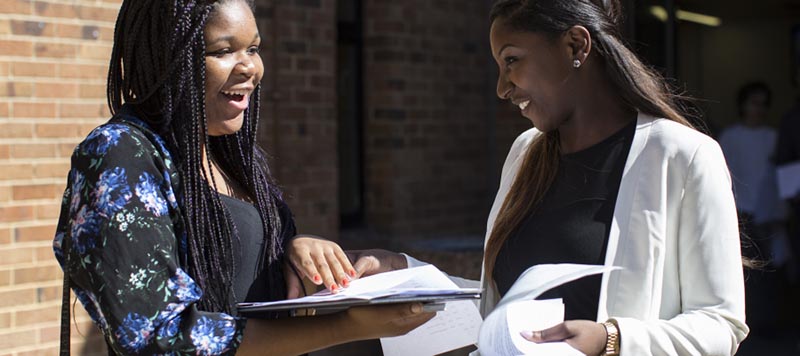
{"points": [[640, 87], [158, 67]]}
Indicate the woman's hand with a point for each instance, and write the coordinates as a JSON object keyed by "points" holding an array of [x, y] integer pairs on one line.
{"points": [[320, 261], [372, 322], [369, 262], [583, 335]]}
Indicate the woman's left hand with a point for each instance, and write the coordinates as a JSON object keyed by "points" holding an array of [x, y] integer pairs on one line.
{"points": [[585, 336], [320, 261]]}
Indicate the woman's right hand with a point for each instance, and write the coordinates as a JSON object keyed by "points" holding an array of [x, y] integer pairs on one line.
{"points": [[376, 321]]}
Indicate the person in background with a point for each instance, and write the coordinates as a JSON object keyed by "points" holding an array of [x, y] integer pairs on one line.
{"points": [[749, 147]]}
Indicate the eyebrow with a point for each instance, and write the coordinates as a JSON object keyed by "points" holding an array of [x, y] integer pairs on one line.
{"points": [[499, 52], [229, 38]]}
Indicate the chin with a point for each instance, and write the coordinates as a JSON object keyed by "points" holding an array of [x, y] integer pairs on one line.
{"points": [[227, 127]]}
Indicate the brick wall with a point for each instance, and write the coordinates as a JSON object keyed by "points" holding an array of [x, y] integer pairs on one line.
{"points": [[426, 116], [53, 60], [299, 107]]}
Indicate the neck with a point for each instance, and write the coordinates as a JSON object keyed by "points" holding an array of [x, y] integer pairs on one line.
{"points": [[599, 113]]}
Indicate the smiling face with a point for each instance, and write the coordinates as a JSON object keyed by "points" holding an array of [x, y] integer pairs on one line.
{"points": [[533, 74], [233, 66]]}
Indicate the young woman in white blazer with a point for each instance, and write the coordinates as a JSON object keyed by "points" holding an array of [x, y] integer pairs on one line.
{"points": [[671, 220]]}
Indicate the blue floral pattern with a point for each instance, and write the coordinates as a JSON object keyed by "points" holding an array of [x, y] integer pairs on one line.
{"points": [[126, 255], [135, 332], [148, 192], [211, 337]]}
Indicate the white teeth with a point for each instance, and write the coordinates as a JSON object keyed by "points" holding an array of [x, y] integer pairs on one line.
{"points": [[242, 93], [524, 104]]}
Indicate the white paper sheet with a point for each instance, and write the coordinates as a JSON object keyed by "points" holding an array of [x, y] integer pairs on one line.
{"points": [[518, 311], [418, 281], [789, 180], [455, 327]]}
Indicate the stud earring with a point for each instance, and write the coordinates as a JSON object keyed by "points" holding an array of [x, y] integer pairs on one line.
{"points": [[576, 63]]}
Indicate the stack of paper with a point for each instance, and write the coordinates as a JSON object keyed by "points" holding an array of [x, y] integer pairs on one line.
{"points": [[518, 311]]}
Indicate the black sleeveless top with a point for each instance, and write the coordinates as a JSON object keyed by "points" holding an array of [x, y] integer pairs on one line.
{"points": [[571, 224]]}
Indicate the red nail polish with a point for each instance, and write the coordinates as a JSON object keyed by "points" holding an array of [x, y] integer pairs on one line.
{"points": [[334, 287], [352, 273], [345, 283], [317, 278]]}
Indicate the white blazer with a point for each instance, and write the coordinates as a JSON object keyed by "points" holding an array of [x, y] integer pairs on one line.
{"points": [[675, 234]]}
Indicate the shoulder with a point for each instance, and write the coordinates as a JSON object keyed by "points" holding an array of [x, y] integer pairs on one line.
{"points": [[523, 141], [676, 138]]}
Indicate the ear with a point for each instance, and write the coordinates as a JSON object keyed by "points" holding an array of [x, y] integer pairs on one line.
{"points": [[578, 43]]}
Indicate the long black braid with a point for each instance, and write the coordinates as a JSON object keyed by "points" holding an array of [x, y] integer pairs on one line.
{"points": [[158, 67]]}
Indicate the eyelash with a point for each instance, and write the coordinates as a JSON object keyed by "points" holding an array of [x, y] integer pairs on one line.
{"points": [[510, 60], [221, 53]]}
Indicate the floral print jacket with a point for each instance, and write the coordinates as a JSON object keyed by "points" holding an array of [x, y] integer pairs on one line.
{"points": [[122, 229]]}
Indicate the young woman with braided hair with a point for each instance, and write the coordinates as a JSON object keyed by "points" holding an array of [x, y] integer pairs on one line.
{"points": [[171, 216], [611, 174]]}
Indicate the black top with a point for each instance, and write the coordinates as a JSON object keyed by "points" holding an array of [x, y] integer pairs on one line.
{"points": [[572, 223], [250, 284]]}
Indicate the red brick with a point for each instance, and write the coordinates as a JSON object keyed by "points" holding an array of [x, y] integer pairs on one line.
{"points": [[57, 90], [44, 351], [36, 110], [5, 279], [82, 110], [48, 294], [55, 10], [20, 89], [43, 254], [5, 27], [5, 151], [93, 51], [37, 274], [16, 48], [65, 149], [52, 170], [32, 28], [37, 191], [98, 13], [5, 68], [34, 233], [5, 320], [49, 211], [15, 171], [5, 196], [92, 91], [16, 7], [56, 50], [16, 256], [5, 235], [17, 298], [33, 150], [4, 112], [31, 69], [16, 213], [9, 130], [83, 71], [69, 31], [57, 130], [14, 339], [43, 315]]}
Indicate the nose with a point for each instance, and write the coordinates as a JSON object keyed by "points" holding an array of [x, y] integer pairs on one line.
{"points": [[245, 66], [504, 86]]}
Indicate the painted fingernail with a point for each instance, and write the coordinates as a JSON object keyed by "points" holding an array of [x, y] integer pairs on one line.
{"points": [[527, 334], [345, 283], [317, 278], [334, 287], [352, 273]]}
